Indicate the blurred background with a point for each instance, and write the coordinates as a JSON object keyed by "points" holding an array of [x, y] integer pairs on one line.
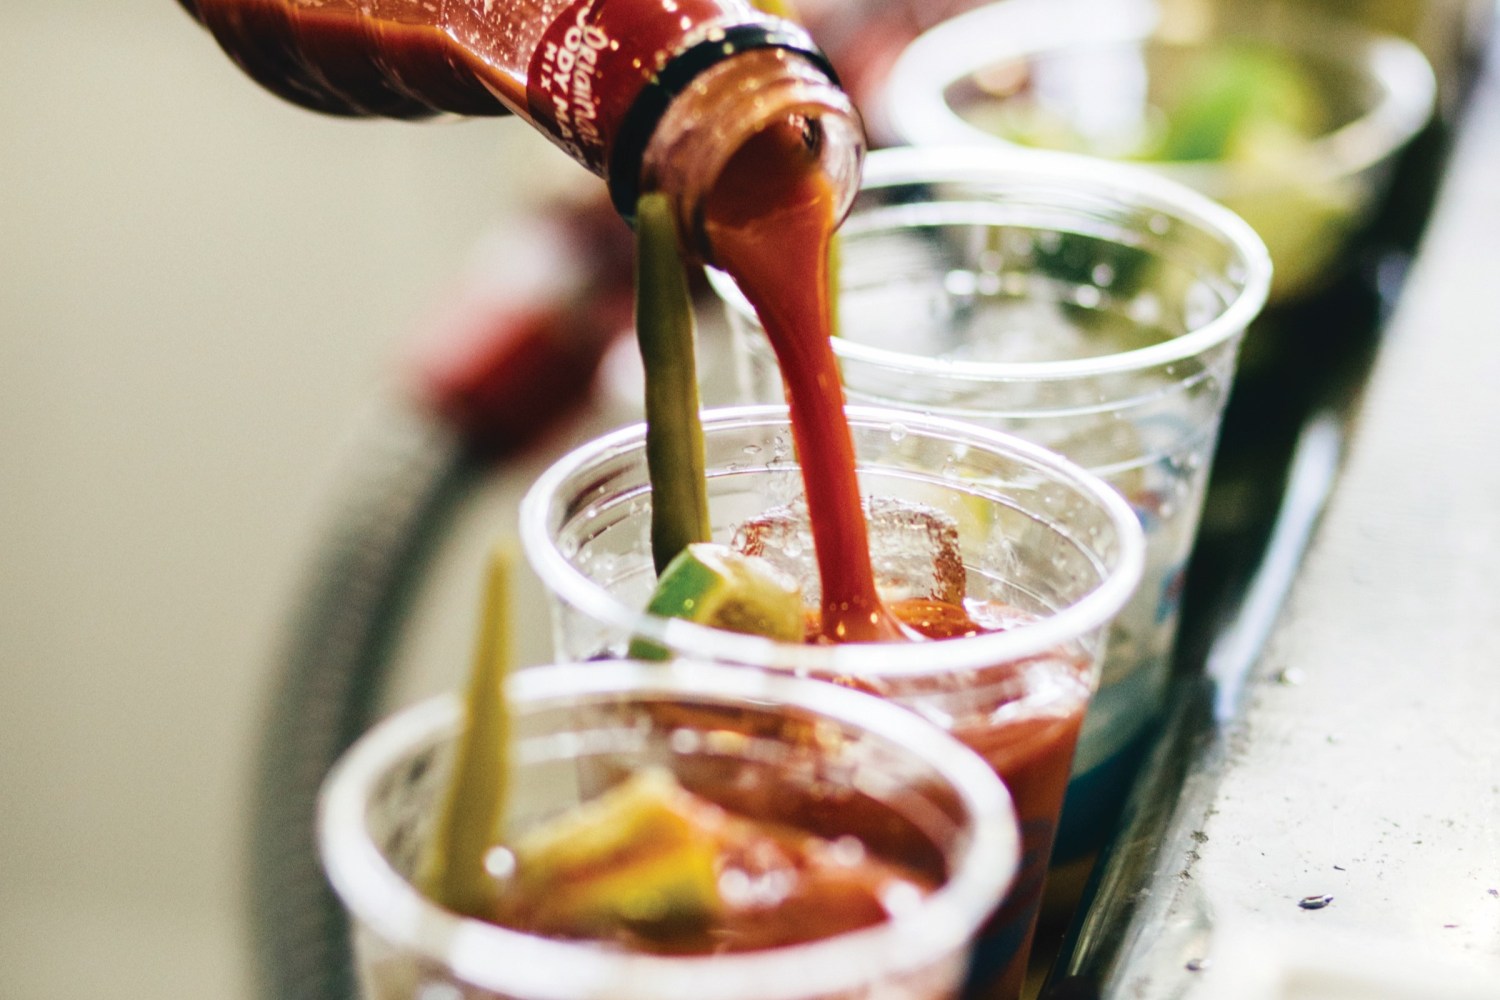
{"points": [[205, 294], [208, 307]]}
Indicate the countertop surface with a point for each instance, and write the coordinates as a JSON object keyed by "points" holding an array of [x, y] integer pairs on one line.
{"points": [[1341, 833]]}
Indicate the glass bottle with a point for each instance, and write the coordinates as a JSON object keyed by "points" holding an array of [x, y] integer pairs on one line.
{"points": [[653, 94]]}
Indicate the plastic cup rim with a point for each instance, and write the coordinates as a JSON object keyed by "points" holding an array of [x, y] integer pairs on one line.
{"points": [[513, 963], [877, 660], [986, 35], [1044, 169]]}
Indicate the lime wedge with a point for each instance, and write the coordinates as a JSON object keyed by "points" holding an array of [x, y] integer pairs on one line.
{"points": [[716, 586], [1236, 94], [640, 857]]}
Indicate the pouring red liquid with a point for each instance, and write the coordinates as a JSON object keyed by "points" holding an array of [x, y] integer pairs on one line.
{"points": [[770, 222]]}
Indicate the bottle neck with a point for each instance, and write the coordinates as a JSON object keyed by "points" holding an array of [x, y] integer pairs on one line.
{"points": [[729, 103]]}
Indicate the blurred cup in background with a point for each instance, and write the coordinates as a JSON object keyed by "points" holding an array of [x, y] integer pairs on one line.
{"points": [[1290, 118]]}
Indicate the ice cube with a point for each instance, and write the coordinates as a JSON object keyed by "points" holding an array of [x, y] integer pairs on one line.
{"points": [[783, 537], [913, 548]]}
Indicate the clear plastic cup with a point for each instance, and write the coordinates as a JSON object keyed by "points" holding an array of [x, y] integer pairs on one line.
{"points": [[831, 761], [1323, 103], [1086, 307], [1036, 534]]}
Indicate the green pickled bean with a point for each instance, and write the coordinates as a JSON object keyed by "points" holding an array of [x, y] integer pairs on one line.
{"points": [[452, 868], [674, 434]]}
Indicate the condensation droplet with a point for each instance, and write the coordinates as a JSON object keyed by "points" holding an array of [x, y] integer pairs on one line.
{"points": [[960, 284], [500, 863], [685, 741]]}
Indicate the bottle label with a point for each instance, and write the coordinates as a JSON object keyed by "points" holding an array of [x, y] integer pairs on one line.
{"points": [[598, 55]]}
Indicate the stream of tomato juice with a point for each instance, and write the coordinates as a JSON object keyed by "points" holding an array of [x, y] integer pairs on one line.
{"points": [[770, 220]]}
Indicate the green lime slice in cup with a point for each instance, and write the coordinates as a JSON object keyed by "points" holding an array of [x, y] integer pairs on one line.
{"points": [[638, 857], [714, 585]]}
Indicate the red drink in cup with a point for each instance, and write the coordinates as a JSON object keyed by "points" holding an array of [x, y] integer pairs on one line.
{"points": [[1035, 557], [812, 772]]}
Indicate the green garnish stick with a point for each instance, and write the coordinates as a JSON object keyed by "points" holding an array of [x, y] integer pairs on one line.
{"points": [[674, 435], [452, 870]]}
